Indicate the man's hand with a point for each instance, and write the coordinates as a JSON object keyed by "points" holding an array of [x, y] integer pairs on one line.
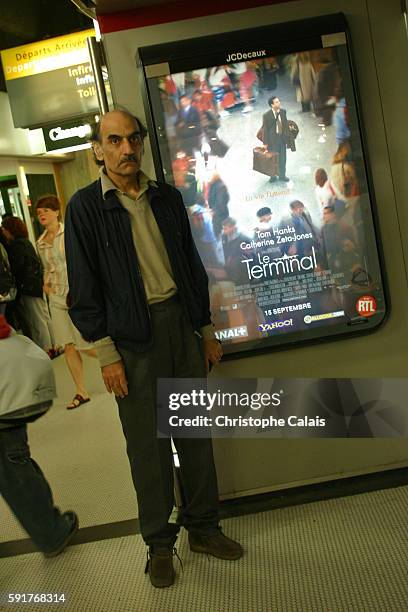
{"points": [[114, 378], [212, 352]]}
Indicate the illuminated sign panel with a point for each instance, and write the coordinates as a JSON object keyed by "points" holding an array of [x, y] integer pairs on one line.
{"points": [[67, 134], [51, 80], [259, 131], [45, 56]]}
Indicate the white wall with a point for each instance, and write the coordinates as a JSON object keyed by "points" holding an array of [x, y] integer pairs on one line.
{"points": [[8, 167]]}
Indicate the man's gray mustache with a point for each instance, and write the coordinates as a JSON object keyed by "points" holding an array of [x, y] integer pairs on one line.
{"points": [[129, 158]]}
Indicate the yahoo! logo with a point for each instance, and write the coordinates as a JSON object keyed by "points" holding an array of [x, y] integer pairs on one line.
{"points": [[275, 325]]}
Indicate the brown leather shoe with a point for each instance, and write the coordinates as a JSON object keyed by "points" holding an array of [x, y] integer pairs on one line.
{"points": [[217, 545], [160, 568]]}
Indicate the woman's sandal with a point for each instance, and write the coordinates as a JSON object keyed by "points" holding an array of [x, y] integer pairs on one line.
{"points": [[78, 401]]}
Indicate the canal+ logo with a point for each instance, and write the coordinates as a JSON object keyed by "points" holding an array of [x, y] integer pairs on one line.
{"points": [[232, 332]]}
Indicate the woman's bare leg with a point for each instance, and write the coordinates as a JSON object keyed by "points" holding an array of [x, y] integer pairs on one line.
{"points": [[74, 362]]}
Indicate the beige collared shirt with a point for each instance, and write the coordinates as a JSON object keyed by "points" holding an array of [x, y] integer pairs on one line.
{"points": [[152, 255], [52, 256], [149, 244]]}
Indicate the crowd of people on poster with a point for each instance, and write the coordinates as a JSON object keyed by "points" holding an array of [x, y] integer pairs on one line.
{"points": [[264, 155]]}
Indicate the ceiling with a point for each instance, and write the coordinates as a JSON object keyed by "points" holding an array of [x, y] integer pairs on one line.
{"points": [[116, 6]]}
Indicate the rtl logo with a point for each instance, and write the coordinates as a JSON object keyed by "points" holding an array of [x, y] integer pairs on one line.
{"points": [[366, 306]]}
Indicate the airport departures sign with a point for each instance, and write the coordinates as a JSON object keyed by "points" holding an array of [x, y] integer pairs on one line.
{"points": [[50, 80]]}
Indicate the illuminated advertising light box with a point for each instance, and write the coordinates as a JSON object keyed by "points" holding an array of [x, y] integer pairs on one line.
{"points": [[50, 80], [259, 130]]}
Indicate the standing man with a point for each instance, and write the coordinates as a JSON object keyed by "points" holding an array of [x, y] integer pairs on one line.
{"points": [[302, 224], [139, 290], [188, 126], [276, 134]]}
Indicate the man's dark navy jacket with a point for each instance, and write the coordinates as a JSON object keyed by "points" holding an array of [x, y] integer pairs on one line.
{"points": [[106, 288]]}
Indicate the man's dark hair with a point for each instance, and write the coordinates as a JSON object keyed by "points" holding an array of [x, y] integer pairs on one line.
{"points": [[271, 99], [96, 131], [263, 211], [296, 204], [330, 208], [320, 175], [229, 221]]}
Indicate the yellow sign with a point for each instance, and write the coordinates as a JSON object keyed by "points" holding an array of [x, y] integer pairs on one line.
{"points": [[46, 55]]}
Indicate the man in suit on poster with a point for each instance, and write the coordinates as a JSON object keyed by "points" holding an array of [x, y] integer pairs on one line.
{"points": [[276, 134]]}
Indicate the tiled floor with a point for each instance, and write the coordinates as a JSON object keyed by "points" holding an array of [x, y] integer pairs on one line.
{"points": [[347, 554], [343, 555]]}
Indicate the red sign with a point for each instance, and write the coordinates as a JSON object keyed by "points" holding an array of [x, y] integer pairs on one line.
{"points": [[366, 306]]}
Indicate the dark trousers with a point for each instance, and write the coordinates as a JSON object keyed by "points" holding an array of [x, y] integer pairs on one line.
{"points": [[176, 352], [279, 146], [26, 491]]}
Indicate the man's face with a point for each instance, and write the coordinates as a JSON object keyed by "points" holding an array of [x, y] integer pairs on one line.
{"points": [[228, 230], [298, 210], [276, 104], [328, 216], [266, 219], [120, 145]]}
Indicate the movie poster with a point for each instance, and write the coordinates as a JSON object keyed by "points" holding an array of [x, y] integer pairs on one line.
{"points": [[267, 155]]}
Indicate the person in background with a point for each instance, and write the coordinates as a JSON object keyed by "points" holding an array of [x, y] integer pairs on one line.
{"points": [[219, 82], [302, 224], [327, 82], [340, 252], [30, 307], [247, 83], [269, 71], [202, 229], [323, 190], [264, 230], [6, 277], [188, 126], [218, 198], [343, 175], [304, 78], [232, 239], [3, 239], [341, 118], [27, 389], [140, 292], [264, 215], [52, 253]]}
